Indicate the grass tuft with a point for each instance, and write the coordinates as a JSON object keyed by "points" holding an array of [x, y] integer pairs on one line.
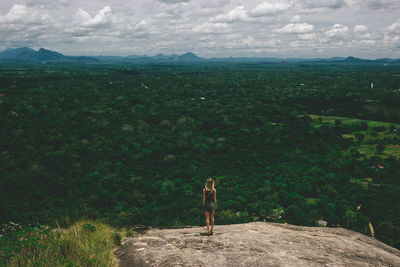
{"points": [[85, 243]]}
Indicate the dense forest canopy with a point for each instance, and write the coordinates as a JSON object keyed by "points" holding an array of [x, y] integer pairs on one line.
{"points": [[134, 144]]}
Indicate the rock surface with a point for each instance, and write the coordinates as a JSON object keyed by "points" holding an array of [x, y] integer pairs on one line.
{"points": [[255, 244]]}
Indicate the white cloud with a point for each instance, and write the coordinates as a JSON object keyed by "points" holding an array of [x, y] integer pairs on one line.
{"points": [[100, 19], [104, 26], [337, 31], [296, 28], [16, 13], [81, 15], [249, 42], [361, 32], [307, 36], [360, 29], [141, 25], [24, 15], [167, 26], [24, 26], [368, 42], [239, 13], [394, 28], [295, 18], [234, 15], [392, 35], [269, 9], [212, 28]]}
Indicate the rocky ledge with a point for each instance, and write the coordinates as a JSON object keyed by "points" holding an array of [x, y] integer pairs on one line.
{"points": [[255, 244]]}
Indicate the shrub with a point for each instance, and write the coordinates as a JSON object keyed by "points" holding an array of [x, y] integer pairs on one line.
{"points": [[89, 227], [359, 137], [295, 215], [380, 148], [116, 237]]}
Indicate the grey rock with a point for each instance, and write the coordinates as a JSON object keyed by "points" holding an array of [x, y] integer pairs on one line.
{"points": [[255, 244]]}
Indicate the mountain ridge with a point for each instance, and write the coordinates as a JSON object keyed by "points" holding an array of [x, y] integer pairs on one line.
{"points": [[26, 54], [45, 56]]}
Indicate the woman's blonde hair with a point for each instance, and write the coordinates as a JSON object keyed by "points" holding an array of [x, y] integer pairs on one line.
{"points": [[209, 184]]}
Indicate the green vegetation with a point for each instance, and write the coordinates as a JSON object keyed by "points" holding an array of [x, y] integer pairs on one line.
{"points": [[388, 151], [85, 243], [374, 138], [353, 121], [127, 147]]}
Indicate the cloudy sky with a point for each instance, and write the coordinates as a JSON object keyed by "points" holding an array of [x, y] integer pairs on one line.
{"points": [[220, 28]]}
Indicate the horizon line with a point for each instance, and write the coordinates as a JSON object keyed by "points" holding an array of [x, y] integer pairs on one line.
{"points": [[201, 57]]}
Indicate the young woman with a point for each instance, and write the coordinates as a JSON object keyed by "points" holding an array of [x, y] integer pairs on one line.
{"points": [[209, 203]]}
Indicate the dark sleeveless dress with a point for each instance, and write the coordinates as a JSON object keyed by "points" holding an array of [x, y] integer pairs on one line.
{"points": [[209, 204]]}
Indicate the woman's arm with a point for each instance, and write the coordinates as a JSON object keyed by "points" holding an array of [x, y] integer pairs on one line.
{"points": [[204, 197], [215, 197]]}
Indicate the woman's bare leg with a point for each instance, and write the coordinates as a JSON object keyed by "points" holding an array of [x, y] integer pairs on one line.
{"points": [[212, 219], [207, 220]]}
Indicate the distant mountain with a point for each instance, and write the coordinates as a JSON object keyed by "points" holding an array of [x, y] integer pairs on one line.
{"points": [[248, 60], [189, 56], [164, 57], [19, 53], [44, 54], [355, 60], [387, 60], [26, 54]]}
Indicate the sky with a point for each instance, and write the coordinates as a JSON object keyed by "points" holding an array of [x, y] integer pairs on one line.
{"points": [[209, 28]]}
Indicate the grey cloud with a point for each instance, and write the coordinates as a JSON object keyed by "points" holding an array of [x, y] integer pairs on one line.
{"points": [[331, 4], [381, 4], [307, 36], [212, 3], [52, 3], [22, 23], [315, 6], [212, 27], [174, 1], [23, 15]]}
